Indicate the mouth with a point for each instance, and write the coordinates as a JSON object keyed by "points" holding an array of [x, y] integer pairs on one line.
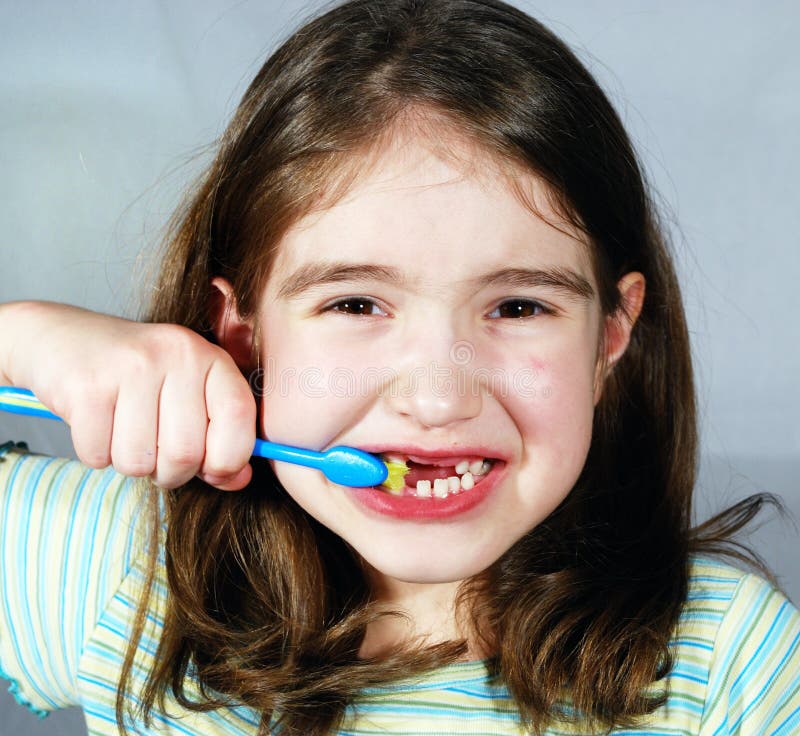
{"points": [[428, 491], [438, 476]]}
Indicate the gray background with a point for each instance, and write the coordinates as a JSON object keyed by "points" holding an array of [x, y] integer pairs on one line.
{"points": [[105, 109]]}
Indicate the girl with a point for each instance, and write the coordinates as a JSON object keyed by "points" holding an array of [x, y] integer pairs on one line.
{"points": [[426, 235]]}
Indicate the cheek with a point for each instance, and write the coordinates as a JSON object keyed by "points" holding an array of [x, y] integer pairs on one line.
{"points": [[308, 394], [555, 408]]}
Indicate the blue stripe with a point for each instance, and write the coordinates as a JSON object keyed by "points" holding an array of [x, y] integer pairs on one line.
{"points": [[692, 644], [689, 678], [478, 694], [129, 485], [704, 596], [712, 618], [146, 643], [714, 579], [406, 709]]}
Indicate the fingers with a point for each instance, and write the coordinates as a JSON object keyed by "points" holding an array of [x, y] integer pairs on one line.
{"points": [[192, 424], [182, 423], [153, 400], [91, 424], [135, 432], [231, 432]]}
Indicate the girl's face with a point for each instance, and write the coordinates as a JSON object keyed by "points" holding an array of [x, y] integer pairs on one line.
{"points": [[483, 342]]}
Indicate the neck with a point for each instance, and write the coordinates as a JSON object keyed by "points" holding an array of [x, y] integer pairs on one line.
{"points": [[431, 612]]}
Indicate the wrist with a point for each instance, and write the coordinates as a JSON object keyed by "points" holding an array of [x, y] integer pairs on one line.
{"points": [[16, 321]]}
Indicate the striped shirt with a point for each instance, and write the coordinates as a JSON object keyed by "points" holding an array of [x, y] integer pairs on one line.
{"points": [[72, 565]]}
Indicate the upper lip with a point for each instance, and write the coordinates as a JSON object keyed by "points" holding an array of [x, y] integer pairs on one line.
{"points": [[451, 452]]}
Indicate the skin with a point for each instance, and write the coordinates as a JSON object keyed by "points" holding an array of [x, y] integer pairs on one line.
{"points": [[440, 222]]}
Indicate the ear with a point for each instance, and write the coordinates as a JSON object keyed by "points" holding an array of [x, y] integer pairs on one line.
{"points": [[617, 327], [233, 333]]}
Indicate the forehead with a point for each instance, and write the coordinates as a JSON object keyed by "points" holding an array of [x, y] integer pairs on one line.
{"points": [[439, 208]]}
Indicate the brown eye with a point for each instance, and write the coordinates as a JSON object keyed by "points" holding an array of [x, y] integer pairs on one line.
{"points": [[357, 306], [519, 309]]}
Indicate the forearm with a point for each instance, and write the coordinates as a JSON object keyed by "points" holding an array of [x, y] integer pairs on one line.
{"points": [[14, 323], [22, 325]]}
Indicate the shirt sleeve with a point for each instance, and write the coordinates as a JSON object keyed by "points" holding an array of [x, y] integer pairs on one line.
{"points": [[754, 681], [67, 542]]}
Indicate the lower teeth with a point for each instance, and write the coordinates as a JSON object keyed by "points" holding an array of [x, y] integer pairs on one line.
{"points": [[443, 487]]}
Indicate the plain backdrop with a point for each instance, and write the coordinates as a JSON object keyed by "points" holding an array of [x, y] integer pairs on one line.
{"points": [[107, 109]]}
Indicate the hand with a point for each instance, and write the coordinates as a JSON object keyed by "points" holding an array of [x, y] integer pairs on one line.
{"points": [[153, 400]]}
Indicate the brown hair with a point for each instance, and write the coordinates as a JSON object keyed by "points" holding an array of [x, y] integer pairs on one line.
{"points": [[268, 607]]}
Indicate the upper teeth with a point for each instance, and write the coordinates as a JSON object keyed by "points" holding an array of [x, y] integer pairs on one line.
{"points": [[478, 467]]}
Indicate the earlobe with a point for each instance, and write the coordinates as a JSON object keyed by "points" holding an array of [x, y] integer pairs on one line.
{"points": [[234, 334]]}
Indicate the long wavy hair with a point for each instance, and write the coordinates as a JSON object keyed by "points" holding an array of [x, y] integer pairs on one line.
{"points": [[266, 606]]}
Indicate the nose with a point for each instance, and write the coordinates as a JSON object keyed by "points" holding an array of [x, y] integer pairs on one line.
{"points": [[435, 384]]}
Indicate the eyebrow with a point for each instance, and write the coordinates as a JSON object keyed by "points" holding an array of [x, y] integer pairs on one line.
{"points": [[312, 275]]}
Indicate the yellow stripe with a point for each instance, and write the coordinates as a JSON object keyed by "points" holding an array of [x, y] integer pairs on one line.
{"points": [[25, 403]]}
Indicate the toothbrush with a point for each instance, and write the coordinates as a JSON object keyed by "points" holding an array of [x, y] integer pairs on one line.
{"points": [[346, 466]]}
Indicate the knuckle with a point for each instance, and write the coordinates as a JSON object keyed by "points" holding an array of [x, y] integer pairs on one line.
{"points": [[85, 390], [179, 341], [139, 362], [181, 456], [241, 408]]}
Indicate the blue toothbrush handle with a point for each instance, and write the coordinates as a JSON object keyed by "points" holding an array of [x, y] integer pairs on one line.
{"points": [[347, 466], [22, 401]]}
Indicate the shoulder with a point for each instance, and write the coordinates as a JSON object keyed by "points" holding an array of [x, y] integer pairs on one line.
{"points": [[718, 589], [90, 522], [727, 606], [713, 583], [743, 634], [60, 492]]}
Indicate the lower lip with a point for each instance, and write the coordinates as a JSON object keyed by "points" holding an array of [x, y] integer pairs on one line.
{"points": [[417, 509]]}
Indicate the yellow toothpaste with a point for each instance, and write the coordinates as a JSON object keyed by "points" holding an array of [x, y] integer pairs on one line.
{"points": [[394, 481]]}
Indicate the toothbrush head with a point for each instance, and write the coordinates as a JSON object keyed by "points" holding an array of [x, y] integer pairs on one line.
{"points": [[394, 480]]}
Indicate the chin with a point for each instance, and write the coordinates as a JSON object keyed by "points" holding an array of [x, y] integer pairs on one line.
{"points": [[425, 571]]}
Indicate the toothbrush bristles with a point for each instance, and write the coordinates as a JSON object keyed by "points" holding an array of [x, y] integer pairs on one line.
{"points": [[394, 480]]}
